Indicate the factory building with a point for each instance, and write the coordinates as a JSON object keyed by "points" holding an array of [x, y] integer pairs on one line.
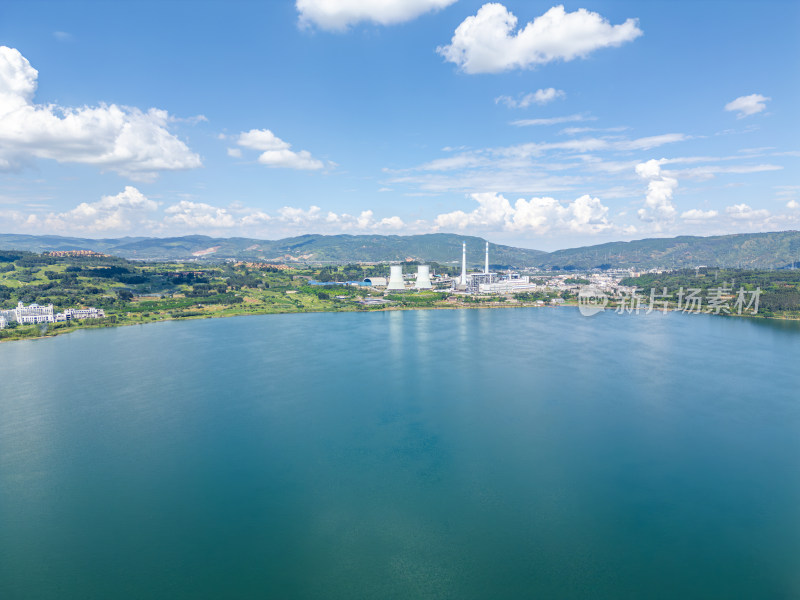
{"points": [[508, 285], [472, 282], [376, 281]]}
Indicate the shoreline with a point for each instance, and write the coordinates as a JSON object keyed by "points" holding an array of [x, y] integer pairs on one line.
{"points": [[499, 305]]}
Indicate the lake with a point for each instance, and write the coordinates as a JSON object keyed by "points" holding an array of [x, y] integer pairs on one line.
{"points": [[461, 454]]}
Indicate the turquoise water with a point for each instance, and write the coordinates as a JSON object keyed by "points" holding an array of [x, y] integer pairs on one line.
{"points": [[428, 454]]}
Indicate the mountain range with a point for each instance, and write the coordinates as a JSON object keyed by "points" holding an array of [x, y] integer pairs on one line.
{"points": [[750, 250]]}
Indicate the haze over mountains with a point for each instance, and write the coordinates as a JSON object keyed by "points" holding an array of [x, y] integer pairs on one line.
{"points": [[752, 250]]}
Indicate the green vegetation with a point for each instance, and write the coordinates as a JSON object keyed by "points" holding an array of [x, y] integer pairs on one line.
{"points": [[444, 248], [780, 290], [779, 250], [141, 292], [418, 299]]}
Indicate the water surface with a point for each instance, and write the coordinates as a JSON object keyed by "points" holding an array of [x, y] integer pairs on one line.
{"points": [[425, 454]]}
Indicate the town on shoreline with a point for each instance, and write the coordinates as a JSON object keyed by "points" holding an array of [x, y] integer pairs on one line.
{"points": [[48, 294]]}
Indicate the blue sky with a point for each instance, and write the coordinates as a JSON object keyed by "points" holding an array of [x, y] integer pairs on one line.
{"points": [[530, 123]]}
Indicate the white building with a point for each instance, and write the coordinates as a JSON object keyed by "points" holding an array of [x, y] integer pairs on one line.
{"points": [[508, 286], [3, 322], [33, 313], [84, 313]]}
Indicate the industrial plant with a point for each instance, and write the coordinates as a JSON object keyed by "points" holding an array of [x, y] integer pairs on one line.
{"points": [[480, 282]]}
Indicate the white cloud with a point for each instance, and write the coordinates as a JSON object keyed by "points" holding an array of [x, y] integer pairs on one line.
{"points": [[487, 42], [128, 210], [276, 153], [551, 120], [198, 215], [124, 139], [709, 171], [234, 153], [743, 212], [338, 15], [696, 214], [585, 215], [747, 105], [314, 218], [541, 97], [647, 143], [793, 204], [577, 130], [261, 139], [658, 206], [290, 160], [531, 168]]}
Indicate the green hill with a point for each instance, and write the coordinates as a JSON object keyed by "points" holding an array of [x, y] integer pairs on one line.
{"points": [[747, 251], [750, 250], [439, 247]]}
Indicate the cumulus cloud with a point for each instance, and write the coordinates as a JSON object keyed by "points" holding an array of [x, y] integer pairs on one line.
{"points": [[290, 160], [743, 212], [275, 152], [128, 210], [538, 215], [542, 96], [487, 42], [747, 105], [261, 139], [338, 15], [658, 205], [696, 214], [315, 218], [198, 215], [127, 140]]}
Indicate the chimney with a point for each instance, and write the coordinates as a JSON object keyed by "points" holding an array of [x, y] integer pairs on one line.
{"points": [[464, 263]]}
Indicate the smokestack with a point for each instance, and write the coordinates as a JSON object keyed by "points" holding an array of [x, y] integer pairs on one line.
{"points": [[486, 269], [464, 263]]}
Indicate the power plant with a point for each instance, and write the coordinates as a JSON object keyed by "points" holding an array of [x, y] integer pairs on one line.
{"points": [[481, 282]]}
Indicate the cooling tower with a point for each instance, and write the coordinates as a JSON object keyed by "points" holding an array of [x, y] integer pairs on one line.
{"points": [[396, 278], [423, 278]]}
